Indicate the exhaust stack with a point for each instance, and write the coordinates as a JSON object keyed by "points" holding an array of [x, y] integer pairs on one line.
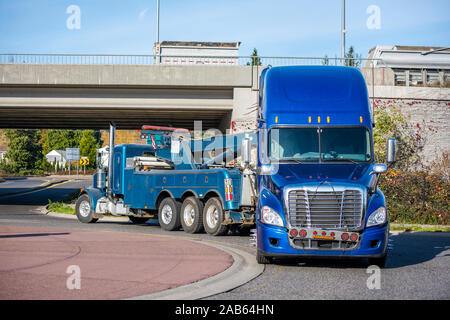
{"points": [[112, 138]]}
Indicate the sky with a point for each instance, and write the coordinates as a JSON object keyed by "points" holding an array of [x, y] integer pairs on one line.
{"points": [[275, 28]]}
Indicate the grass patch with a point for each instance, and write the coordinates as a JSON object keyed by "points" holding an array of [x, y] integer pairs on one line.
{"points": [[67, 205], [60, 207], [422, 228]]}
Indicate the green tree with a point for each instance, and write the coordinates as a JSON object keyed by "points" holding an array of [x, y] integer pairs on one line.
{"points": [[256, 61], [24, 151], [60, 139], [352, 59], [56, 139], [89, 145]]}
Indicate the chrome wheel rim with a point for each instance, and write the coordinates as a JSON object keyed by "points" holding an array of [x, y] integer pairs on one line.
{"points": [[189, 215], [166, 214], [212, 217], [85, 208]]}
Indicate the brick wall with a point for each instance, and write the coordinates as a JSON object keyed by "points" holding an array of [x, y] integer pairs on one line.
{"points": [[122, 136], [433, 119], [3, 140]]}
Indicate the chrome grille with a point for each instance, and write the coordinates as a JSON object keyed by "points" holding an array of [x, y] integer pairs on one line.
{"points": [[325, 209]]}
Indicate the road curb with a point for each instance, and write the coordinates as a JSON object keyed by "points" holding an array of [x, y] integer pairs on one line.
{"points": [[45, 211], [244, 269]]}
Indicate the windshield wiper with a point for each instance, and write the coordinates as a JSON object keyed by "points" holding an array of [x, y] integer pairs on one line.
{"points": [[340, 160], [295, 160], [308, 160]]}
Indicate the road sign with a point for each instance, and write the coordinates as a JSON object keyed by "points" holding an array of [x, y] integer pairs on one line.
{"points": [[73, 154], [84, 161]]}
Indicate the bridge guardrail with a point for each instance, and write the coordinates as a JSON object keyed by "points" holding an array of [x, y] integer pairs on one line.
{"points": [[126, 59]]}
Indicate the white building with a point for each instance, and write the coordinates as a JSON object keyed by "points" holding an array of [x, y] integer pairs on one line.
{"points": [[192, 52], [414, 65], [57, 157]]}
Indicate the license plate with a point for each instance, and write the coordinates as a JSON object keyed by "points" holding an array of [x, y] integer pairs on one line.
{"points": [[324, 237]]}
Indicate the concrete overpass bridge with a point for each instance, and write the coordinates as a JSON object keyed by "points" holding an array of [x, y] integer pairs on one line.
{"points": [[83, 96], [87, 91]]}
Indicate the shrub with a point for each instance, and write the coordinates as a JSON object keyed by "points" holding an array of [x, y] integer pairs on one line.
{"points": [[414, 193], [391, 123], [416, 197]]}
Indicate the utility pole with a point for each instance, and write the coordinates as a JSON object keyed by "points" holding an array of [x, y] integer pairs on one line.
{"points": [[343, 33], [157, 21]]}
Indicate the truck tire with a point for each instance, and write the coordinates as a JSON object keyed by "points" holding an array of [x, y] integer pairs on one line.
{"points": [[169, 214], [83, 209], [213, 216], [192, 215], [134, 219], [262, 259]]}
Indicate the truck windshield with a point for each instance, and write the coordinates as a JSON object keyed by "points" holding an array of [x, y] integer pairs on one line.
{"points": [[333, 144]]}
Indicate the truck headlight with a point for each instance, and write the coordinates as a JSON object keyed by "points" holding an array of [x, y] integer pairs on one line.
{"points": [[377, 217], [270, 216]]}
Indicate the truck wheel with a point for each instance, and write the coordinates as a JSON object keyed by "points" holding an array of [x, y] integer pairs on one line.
{"points": [[262, 259], [192, 215], [169, 214], [213, 217], [83, 209], [138, 219]]}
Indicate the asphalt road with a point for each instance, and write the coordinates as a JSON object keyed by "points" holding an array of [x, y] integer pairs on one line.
{"points": [[13, 185], [418, 266]]}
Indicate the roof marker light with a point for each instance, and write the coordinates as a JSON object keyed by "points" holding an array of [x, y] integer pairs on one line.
{"points": [[309, 119], [361, 119], [276, 119], [328, 119], [318, 119]]}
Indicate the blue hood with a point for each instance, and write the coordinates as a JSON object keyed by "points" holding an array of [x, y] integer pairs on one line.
{"points": [[306, 173]]}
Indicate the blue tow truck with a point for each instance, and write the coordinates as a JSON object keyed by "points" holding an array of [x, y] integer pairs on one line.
{"points": [[167, 178], [311, 192]]}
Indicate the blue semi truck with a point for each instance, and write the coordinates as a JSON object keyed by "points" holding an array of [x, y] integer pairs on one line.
{"points": [[311, 192]]}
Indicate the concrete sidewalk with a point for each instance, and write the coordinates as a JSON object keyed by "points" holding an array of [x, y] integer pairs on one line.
{"points": [[38, 263]]}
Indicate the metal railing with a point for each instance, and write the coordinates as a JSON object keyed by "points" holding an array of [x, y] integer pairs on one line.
{"points": [[126, 59]]}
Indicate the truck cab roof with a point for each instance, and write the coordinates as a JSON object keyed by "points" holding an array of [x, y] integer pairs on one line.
{"points": [[315, 95]]}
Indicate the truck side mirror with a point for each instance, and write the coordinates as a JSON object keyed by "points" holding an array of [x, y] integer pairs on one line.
{"points": [[391, 153]]}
